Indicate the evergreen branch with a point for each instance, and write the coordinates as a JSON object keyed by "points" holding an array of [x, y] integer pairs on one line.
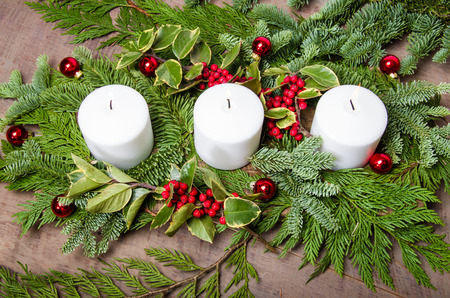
{"points": [[229, 252]]}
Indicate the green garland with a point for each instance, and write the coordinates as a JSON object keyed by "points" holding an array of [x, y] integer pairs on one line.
{"points": [[355, 213]]}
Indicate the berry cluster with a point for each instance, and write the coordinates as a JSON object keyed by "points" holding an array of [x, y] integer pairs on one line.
{"points": [[205, 202], [215, 76], [292, 86]]}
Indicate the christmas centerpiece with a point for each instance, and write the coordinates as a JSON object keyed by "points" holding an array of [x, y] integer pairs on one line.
{"points": [[158, 136]]}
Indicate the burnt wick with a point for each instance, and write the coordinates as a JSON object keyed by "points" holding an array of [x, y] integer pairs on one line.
{"points": [[353, 107], [110, 104], [229, 103]]}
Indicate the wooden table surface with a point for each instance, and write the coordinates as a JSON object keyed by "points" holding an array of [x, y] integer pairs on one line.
{"points": [[24, 36]]}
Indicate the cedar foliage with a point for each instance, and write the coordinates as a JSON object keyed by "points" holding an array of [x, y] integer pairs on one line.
{"points": [[348, 213]]}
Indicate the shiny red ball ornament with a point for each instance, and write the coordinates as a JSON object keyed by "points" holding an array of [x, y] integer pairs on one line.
{"points": [[261, 46], [16, 135], [148, 65], [389, 64], [266, 186], [70, 67], [380, 163], [61, 210]]}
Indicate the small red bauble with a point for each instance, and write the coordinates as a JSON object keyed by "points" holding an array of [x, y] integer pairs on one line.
{"points": [[266, 186], [148, 65], [61, 210], [16, 135], [389, 64], [70, 67], [380, 163], [261, 46]]}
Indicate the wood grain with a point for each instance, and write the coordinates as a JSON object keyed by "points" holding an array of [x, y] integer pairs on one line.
{"points": [[24, 36]]}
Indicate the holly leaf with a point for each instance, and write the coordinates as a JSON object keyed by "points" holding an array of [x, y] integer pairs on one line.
{"points": [[132, 208], [194, 72], [274, 71], [287, 121], [117, 174], [79, 184], [90, 171], [184, 42], [128, 58], [231, 55], [179, 218], [311, 84], [202, 227], [162, 217], [170, 72], [165, 36], [146, 40], [201, 53], [240, 212], [321, 74], [277, 113], [309, 93], [113, 198], [219, 192], [188, 172], [209, 176], [182, 88]]}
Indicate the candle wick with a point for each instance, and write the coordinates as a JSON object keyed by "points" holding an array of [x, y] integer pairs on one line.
{"points": [[353, 107], [229, 104], [110, 104]]}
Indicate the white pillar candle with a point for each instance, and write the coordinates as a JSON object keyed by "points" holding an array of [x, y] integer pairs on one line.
{"points": [[351, 120], [115, 124], [228, 121]]}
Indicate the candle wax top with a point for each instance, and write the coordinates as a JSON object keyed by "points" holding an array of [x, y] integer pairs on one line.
{"points": [[351, 114], [113, 114], [228, 113]]}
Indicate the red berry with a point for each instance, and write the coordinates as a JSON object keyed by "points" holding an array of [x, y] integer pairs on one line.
{"points": [[197, 213], [207, 204], [215, 206], [175, 184], [302, 105], [209, 192], [183, 186], [276, 131], [300, 83], [212, 212], [165, 194], [293, 132], [222, 220], [184, 199], [202, 197]]}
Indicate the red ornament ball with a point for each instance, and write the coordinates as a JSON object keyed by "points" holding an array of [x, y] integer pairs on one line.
{"points": [[380, 163], [61, 210], [148, 65], [16, 135], [261, 46], [70, 67], [266, 186], [389, 64]]}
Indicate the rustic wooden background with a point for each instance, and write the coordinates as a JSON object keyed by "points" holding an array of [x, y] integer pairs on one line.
{"points": [[24, 36]]}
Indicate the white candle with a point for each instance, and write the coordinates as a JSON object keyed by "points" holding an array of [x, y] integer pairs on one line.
{"points": [[351, 120], [115, 124], [228, 121]]}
